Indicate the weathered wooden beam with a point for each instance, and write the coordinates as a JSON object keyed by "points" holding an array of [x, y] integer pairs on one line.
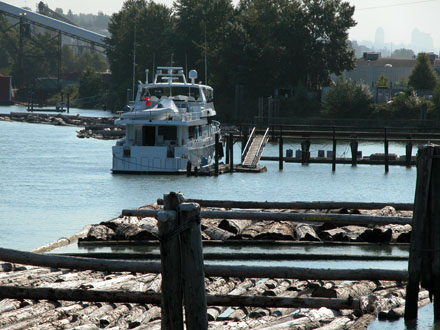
{"points": [[13, 292], [29, 258], [172, 294], [341, 219], [419, 232], [297, 205], [241, 256]]}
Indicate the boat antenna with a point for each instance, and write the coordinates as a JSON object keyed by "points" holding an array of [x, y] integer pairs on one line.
{"points": [[206, 63], [134, 59]]}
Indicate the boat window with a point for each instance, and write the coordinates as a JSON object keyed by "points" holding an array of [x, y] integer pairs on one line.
{"points": [[191, 132], [177, 93], [209, 94], [148, 135], [169, 133]]}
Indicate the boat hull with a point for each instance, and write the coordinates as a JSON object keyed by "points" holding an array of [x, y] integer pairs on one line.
{"points": [[159, 159]]}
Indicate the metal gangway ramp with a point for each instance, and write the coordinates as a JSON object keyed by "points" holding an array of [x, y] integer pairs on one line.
{"points": [[254, 149], [53, 24]]}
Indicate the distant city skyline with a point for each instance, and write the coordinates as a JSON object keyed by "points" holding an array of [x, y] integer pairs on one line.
{"points": [[397, 18]]}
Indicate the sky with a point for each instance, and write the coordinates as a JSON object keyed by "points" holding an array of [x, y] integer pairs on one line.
{"points": [[398, 18]]}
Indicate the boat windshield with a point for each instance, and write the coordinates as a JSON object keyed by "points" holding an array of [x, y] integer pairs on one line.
{"points": [[176, 93]]}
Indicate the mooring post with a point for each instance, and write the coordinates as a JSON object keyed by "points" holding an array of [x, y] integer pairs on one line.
{"points": [[305, 151], [216, 156], [435, 232], [419, 267], [354, 150], [281, 153], [408, 153], [387, 168], [227, 149], [188, 168], [334, 151], [231, 153], [193, 273], [68, 103], [172, 294]]}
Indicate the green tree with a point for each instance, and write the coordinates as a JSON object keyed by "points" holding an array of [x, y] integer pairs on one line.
{"points": [[348, 99], [423, 75], [383, 81], [154, 27], [90, 84]]}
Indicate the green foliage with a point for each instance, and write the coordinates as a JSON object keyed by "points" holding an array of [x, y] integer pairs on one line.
{"points": [[423, 75], [303, 104], [383, 81], [347, 99], [90, 84], [436, 96], [404, 105], [154, 26]]}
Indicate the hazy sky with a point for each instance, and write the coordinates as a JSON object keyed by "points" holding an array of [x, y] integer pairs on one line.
{"points": [[397, 17]]}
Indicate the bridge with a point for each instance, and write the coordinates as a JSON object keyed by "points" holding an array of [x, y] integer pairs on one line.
{"points": [[27, 16]]}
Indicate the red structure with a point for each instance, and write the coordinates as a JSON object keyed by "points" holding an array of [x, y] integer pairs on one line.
{"points": [[5, 90]]}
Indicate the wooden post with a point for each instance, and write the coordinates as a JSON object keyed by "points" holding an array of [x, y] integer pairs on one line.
{"points": [[68, 103], [244, 139], [231, 153], [193, 273], [305, 151], [419, 230], [172, 295], [281, 153], [188, 168], [435, 231], [334, 151], [216, 156], [354, 149], [408, 153], [227, 149], [387, 168]]}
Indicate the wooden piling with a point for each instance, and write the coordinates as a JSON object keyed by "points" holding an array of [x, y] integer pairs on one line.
{"points": [[387, 167], [354, 149], [217, 152], [281, 153], [193, 274], [68, 103], [419, 230], [435, 231], [172, 294], [334, 151], [408, 152], [188, 168], [227, 149], [231, 153], [305, 151]]}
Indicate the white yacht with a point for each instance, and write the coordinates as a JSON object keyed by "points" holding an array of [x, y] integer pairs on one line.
{"points": [[169, 124]]}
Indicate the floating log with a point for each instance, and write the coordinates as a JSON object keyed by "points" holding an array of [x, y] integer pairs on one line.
{"points": [[281, 216], [210, 270], [240, 256], [305, 232], [143, 298], [234, 227], [283, 231], [319, 205]]}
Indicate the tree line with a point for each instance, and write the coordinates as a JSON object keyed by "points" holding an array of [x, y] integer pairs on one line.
{"points": [[260, 45]]}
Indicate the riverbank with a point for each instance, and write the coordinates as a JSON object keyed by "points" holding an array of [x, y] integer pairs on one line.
{"points": [[94, 127]]}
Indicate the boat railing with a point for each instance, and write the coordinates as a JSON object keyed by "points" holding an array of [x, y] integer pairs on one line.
{"points": [[248, 144]]}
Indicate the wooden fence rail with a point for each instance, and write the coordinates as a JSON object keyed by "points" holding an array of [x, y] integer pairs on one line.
{"points": [[29, 258], [13, 292], [341, 219], [320, 205]]}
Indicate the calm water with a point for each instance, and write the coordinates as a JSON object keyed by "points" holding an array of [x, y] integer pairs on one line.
{"points": [[52, 184]]}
